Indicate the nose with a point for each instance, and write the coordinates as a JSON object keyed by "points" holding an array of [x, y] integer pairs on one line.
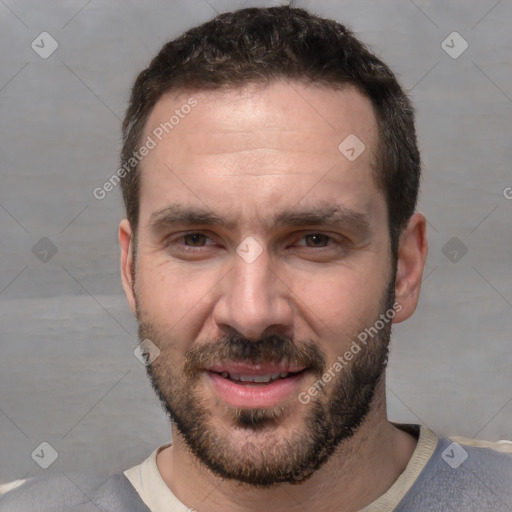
{"points": [[253, 301]]}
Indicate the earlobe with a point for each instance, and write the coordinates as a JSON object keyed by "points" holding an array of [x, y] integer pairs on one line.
{"points": [[412, 254], [127, 270]]}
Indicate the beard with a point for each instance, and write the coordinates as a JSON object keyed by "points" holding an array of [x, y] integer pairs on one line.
{"points": [[262, 458]]}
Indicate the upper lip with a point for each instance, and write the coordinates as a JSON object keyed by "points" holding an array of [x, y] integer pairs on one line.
{"points": [[253, 369]]}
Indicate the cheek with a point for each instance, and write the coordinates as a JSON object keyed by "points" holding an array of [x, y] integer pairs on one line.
{"points": [[174, 299], [338, 308], [339, 290]]}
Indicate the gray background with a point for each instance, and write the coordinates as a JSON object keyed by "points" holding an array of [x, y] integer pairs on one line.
{"points": [[68, 375]]}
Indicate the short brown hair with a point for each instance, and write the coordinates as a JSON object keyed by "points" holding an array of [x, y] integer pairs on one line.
{"points": [[258, 45]]}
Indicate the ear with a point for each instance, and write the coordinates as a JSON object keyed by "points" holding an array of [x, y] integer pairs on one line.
{"points": [[412, 254], [127, 271]]}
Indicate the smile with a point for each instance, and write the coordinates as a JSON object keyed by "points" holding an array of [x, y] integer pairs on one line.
{"points": [[257, 378], [245, 386]]}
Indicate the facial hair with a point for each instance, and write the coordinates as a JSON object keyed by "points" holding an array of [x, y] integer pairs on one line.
{"points": [[329, 419]]}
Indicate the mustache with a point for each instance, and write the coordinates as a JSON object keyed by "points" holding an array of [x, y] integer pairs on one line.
{"points": [[273, 349]]}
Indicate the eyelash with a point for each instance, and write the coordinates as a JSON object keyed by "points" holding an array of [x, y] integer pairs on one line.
{"points": [[176, 240], [193, 249]]}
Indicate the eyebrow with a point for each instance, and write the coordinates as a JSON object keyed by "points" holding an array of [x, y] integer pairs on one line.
{"points": [[316, 215], [177, 214], [328, 215]]}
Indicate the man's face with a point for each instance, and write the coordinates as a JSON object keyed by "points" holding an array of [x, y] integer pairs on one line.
{"points": [[262, 253]]}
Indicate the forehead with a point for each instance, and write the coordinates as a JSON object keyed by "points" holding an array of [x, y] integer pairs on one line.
{"points": [[265, 111], [260, 148]]}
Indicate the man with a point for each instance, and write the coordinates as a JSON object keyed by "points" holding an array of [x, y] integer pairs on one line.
{"points": [[270, 176]]}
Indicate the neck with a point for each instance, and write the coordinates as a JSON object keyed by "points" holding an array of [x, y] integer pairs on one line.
{"points": [[377, 453]]}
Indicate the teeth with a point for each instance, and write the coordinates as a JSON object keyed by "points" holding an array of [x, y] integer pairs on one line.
{"points": [[255, 378]]}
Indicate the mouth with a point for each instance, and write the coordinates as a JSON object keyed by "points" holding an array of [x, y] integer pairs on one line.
{"points": [[254, 386], [257, 379]]}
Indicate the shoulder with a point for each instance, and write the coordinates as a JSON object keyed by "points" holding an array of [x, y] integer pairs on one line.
{"points": [[45, 493], [72, 493], [490, 459], [464, 475]]}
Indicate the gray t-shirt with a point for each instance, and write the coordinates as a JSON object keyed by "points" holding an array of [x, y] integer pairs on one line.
{"points": [[444, 474], [462, 477]]}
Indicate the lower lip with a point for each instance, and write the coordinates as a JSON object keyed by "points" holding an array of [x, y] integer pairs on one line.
{"points": [[257, 395]]}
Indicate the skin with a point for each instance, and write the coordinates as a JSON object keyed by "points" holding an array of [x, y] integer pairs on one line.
{"points": [[246, 155]]}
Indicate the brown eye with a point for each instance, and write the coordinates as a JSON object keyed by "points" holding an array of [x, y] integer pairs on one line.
{"points": [[317, 240], [195, 239]]}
